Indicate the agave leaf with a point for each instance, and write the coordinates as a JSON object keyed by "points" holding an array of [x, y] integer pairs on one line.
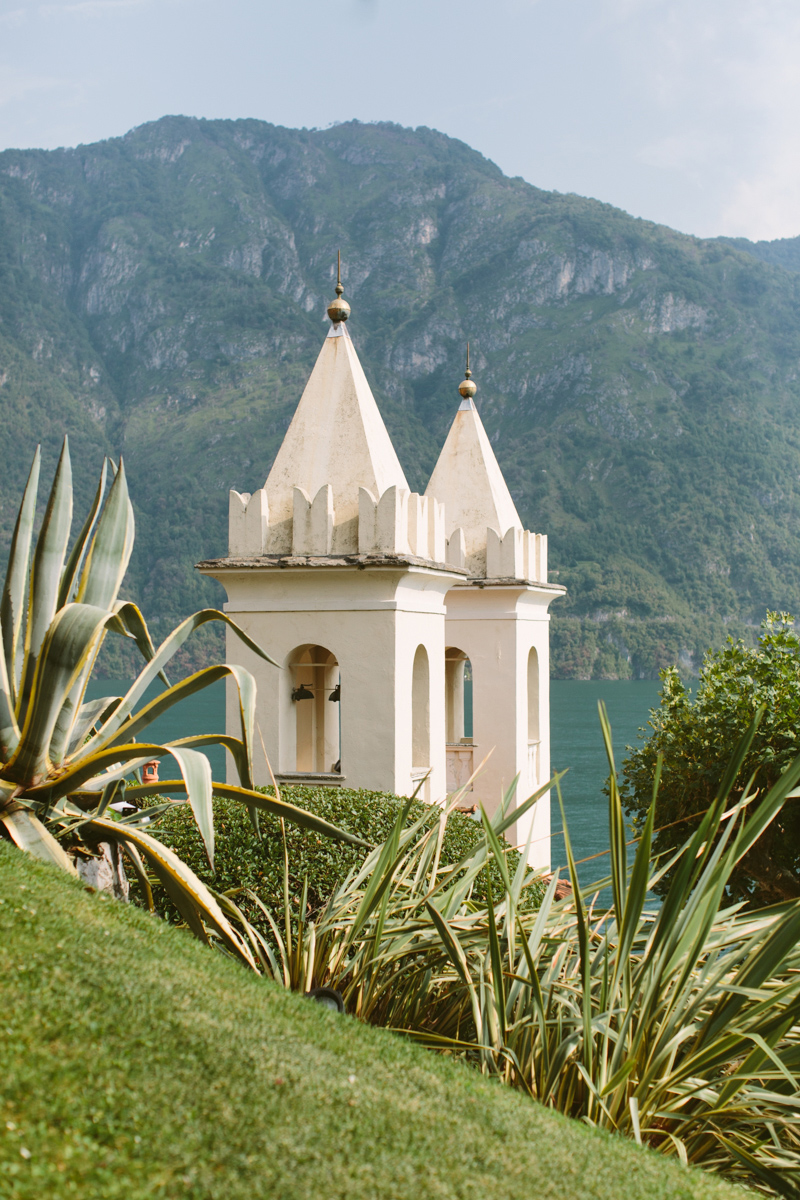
{"points": [[192, 898], [48, 563], [69, 642], [233, 745], [166, 650], [141, 874], [13, 607], [9, 729], [110, 551], [196, 771], [120, 761], [246, 686], [133, 621], [87, 717], [278, 808], [258, 943], [125, 616], [75, 560], [142, 752], [27, 832]]}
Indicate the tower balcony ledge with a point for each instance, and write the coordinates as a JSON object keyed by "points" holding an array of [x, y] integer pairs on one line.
{"points": [[321, 561], [504, 581]]}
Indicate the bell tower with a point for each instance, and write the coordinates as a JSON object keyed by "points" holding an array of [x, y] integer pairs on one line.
{"points": [[338, 570], [497, 629]]}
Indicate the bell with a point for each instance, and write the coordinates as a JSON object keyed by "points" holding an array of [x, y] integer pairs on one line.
{"points": [[336, 694], [302, 693]]}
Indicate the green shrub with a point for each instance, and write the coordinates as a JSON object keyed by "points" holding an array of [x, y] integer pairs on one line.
{"points": [[242, 861], [697, 738]]}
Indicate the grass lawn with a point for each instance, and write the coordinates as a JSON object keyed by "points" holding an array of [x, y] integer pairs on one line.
{"points": [[136, 1063]]}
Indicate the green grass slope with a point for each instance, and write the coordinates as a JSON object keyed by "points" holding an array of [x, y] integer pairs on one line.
{"points": [[136, 1064], [163, 294]]}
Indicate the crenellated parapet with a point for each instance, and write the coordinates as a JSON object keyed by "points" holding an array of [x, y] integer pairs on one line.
{"points": [[397, 522], [248, 523], [312, 521], [518, 554], [401, 522]]}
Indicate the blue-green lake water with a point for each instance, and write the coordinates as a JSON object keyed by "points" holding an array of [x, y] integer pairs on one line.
{"points": [[576, 743]]}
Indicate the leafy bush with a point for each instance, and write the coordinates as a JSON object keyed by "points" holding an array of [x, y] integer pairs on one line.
{"points": [[242, 861], [697, 739]]}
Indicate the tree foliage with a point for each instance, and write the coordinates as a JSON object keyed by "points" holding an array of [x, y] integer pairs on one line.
{"points": [[696, 737]]}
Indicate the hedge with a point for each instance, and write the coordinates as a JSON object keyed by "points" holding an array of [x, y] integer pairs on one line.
{"points": [[242, 861]]}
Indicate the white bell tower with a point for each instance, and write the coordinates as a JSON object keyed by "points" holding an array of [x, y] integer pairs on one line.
{"points": [[497, 629], [338, 570]]}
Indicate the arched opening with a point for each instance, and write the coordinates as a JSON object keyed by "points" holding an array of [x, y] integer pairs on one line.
{"points": [[316, 689], [458, 695], [421, 711], [533, 718], [458, 717]]}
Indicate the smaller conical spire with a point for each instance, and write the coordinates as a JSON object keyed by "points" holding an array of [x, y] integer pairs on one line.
{"points": [[468, 480], [338, 309]]}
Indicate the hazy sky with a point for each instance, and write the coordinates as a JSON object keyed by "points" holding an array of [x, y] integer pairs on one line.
{"points": [[683, 111]]}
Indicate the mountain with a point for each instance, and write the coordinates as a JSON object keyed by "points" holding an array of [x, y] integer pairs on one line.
{"points": [[781, 252], [162, 295]]}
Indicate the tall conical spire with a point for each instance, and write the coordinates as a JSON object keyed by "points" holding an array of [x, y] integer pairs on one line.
{"points": [[336, 436], [468, 479]]}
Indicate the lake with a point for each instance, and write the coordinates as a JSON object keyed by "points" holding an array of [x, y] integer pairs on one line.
{"points": [[576, 743]]}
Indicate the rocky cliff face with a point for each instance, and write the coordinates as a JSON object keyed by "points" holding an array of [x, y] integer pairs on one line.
{"points": [[163, 294]]}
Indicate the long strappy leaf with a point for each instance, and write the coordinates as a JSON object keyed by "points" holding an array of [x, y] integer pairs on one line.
{"points": [[48, 563], [13, 606]]}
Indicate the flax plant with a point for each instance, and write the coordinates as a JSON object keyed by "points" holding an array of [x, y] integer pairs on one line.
{"points": [[676, 1025], [65, 761]]}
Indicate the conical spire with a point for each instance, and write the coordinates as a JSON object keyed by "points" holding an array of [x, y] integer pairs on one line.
{"points": [[336, 436], [468, 479]]}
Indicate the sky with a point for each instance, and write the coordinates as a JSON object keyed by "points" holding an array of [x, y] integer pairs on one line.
{"points": [[681, 111]]}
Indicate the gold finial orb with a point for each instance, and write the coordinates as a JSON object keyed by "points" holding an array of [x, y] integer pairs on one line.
{"points": [[338, 309], [467, 388]]}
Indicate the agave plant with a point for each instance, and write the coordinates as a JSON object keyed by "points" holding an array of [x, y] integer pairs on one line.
{"points": [[677, 1025], [63, 761]]}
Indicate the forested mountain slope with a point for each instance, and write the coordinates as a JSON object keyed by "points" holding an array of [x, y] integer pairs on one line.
{"points": [[163, 295], [781, 252]]}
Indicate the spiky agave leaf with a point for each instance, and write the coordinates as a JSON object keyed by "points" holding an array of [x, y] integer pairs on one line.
{"points": [[54, 784], [46, 572], [13, 605]]}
